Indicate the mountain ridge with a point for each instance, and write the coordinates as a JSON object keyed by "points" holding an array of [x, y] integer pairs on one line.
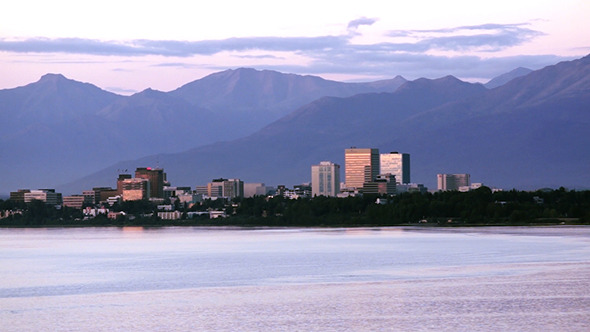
{"points": [[504, 137]]}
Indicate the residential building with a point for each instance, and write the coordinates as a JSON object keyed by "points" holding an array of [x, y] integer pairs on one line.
{"points": [[156, 176], [361, 165], [397, 164], [170, 215], [325, 179], [452, 181]]}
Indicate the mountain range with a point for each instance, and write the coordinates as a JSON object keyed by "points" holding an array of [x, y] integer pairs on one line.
{"points": [[56, 130], [527, 133]]}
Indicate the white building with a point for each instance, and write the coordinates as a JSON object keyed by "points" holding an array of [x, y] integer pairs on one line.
{"points": [[397, 164], [325, 179]]}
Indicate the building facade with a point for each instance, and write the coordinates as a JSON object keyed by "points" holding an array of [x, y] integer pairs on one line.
{"points": [[135, 189], [226, 188], [397, 164], [384, 184], [49, 196], [452, 181], [74, 201], [361, 165], [156, 176], [325, 179]]}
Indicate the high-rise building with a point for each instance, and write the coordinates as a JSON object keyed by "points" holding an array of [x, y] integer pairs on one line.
{"points": [[156, 176], [397, 164], [452, 181], [120, 183], [135, 189], [325, 179], [361, 165]]}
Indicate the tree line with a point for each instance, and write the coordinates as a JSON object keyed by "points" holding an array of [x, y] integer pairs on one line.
{"points": [[476, 207]]}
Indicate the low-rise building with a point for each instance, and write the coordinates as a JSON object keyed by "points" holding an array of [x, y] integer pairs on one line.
{"points": [[170, 215], [48, 196], [74, 201]]}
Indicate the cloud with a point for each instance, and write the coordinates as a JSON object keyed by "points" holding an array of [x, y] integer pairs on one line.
{"points": [[484, 37], [413, 57], [170, 47], [353, 25]]}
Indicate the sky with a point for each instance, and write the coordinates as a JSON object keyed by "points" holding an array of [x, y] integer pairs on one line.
{"points": [[128, 46]]}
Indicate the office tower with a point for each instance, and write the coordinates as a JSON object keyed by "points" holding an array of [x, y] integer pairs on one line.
{"points": [[397, 164], [120, 183], [135, 189], [156, 176], [325, 179], [362, 165], [452, 181]]}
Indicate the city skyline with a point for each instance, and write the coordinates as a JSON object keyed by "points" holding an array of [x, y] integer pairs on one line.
{"points": [[128, 47]]}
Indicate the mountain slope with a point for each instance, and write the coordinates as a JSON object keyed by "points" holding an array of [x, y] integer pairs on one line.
{"points": [[67, 128], [269, 93], [284, 150], [529, 133], [507, 77]]}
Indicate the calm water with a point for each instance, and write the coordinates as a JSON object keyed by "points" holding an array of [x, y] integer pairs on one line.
{"points": [[295, 279]]}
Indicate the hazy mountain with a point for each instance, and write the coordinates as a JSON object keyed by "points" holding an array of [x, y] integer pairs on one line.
{"points": [[507, 77], [58, 129], [283, 151], [254, 98], [52, 99], [529, 133]]}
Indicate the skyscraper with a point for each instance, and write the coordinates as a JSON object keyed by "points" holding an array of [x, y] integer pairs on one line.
{"points": [[156, 176], [397, 164], [452, 181], [362, 165], [325, 179]]}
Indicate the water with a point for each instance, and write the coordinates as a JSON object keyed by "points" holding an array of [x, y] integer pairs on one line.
{"points": [[107, 279]]}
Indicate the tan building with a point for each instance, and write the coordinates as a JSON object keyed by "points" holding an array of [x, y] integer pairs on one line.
{"points": [[156, 176], [397, 164], [325, 179], [74, 201], [135, 189], [361, 165]]}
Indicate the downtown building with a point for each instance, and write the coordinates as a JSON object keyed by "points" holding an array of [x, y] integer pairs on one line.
{"points": [[225, 188], [397, 164], [361, 166], [452, 181], [325, 179], [156, 177]]}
